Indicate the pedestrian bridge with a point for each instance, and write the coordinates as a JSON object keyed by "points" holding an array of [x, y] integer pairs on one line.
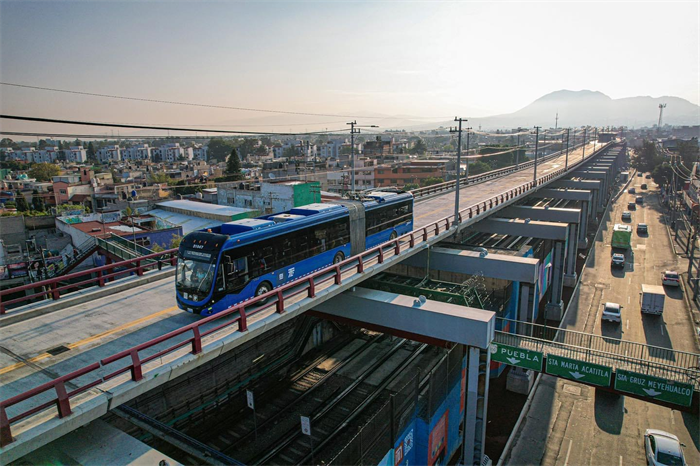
{"points": [[658, 375]]}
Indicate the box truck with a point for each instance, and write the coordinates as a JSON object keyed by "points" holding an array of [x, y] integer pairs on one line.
{"points": [[621, 236], [652, 299]]}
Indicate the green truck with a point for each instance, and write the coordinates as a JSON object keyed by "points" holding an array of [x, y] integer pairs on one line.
{"points": [[622, 236]]}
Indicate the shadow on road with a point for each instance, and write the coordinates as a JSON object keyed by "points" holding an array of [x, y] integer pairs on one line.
{"points": [[655, 331], [609, 411]]}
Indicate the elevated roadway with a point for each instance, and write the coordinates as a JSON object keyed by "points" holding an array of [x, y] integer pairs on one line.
{"points": [[37, 351]]}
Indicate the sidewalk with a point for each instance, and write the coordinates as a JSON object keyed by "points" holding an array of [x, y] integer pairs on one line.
{"points": [[679, 243]]}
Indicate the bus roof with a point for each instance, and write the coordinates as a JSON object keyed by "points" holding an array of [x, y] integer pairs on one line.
{"points": [[248, 229]]}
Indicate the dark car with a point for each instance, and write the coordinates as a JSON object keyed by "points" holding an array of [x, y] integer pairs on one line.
{"points": [[640, 174], [639, 200], [648, 177], [644, 186], [632, 206]]}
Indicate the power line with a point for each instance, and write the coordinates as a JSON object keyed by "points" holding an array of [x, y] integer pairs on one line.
{"points": [[158, 128], [110, 136], [192, 104]]}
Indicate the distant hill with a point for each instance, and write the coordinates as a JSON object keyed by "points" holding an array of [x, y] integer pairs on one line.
{"points": [[578, 108]]}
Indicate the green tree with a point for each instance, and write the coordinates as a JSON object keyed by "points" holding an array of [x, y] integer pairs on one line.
{"points": [[159, 178], [21, 202], [233, 166], [662, 174], [410, 186], [44, 171], [478, 167], [688, 150], [247, 148], [7, 142], [175, 241], [419, 147], [38, 201], [219, 149], [91, 153], [262, 150], [648, 157], [431, 181]]}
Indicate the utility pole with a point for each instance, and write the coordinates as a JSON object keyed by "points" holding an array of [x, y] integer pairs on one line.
{"points": [[537, 142], [566, 163], [584, 143], [458, 130], [595, 139], [517, 152], [556, 121], [353, 132], [467, 157]]}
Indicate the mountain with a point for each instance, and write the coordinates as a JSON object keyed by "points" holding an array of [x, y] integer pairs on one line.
{"points": [[577, 108]]}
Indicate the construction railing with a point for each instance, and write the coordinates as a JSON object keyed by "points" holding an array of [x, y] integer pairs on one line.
{"points": [[237, 316]]}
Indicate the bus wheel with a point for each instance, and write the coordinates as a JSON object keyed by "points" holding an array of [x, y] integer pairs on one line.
{"points": [[263, 288], [339, 256], [393, 235]]}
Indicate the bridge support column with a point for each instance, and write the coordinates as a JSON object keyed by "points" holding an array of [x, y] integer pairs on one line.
{"points": [[583, 227], [555, 307], [526, 308], [571, 253], [474, 429]]}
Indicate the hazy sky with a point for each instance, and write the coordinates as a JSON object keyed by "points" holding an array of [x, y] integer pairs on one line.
{"points": [[422, 58]]}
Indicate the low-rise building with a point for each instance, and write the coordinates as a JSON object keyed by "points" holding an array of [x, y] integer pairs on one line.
{"points": [[412, 172], [268, 198], [76, 154], [139, 152]]}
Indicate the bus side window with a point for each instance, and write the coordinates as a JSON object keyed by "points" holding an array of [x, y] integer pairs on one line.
{"points": [[235, 269]]}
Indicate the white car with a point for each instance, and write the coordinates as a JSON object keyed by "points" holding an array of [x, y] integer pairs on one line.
{"points": [[670, 278], [627, 215], [612, 312], [663, 449], [618, 260]]}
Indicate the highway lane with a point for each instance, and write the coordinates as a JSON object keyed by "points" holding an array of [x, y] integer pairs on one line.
{"points": [[107, 325], [575, 424]]}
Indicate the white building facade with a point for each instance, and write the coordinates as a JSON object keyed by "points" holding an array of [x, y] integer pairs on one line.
{"points": [[109, 154]]}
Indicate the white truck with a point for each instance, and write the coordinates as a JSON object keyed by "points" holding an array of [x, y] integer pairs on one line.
{"points": [[652, 299]]}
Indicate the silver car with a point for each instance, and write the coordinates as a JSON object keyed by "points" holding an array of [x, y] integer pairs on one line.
{"points": [[663, 449]]}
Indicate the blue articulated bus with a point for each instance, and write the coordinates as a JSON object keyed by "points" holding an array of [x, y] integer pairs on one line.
{"points": [[239, 260]]}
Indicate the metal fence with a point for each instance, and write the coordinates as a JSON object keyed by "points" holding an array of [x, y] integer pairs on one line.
{"points": [[420, 395]]}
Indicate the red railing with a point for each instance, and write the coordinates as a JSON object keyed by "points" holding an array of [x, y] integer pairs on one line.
{"points": [[305, 285], [104, 274]]}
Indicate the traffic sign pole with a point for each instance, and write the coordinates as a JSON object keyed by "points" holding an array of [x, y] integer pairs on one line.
{"points": [[251, 404]]}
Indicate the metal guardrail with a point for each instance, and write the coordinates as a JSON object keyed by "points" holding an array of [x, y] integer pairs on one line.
{"points": [[608, 345], [238, 315], [499, 172], [616, 361]]}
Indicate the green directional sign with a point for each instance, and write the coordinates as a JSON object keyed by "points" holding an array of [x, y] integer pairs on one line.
{"points": [[580, 371], [513, 356], [654, 387]]}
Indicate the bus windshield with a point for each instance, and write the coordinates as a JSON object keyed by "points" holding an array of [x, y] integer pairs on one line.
{"points": [[194, 278]]}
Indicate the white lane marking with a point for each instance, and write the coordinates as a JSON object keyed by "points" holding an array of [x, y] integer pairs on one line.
{"points": [[568, 452], [630, 281], [673, 420], [620, 460], [628, 300], [628, 321]]}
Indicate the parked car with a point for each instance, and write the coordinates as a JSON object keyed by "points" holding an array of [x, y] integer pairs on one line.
{"points": [[642, 228], [644, 186], [639, 200], [627, 215], [612, 312], [640, 174], [632, 205], [648, 177], [663, 449], [671, 278], [632, 191], [618, 260]]}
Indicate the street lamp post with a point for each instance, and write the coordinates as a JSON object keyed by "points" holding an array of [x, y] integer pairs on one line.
{"points": [[537, 142]]}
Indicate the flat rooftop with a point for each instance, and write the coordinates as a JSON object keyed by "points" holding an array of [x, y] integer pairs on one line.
{"points": [[203, 207]]}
